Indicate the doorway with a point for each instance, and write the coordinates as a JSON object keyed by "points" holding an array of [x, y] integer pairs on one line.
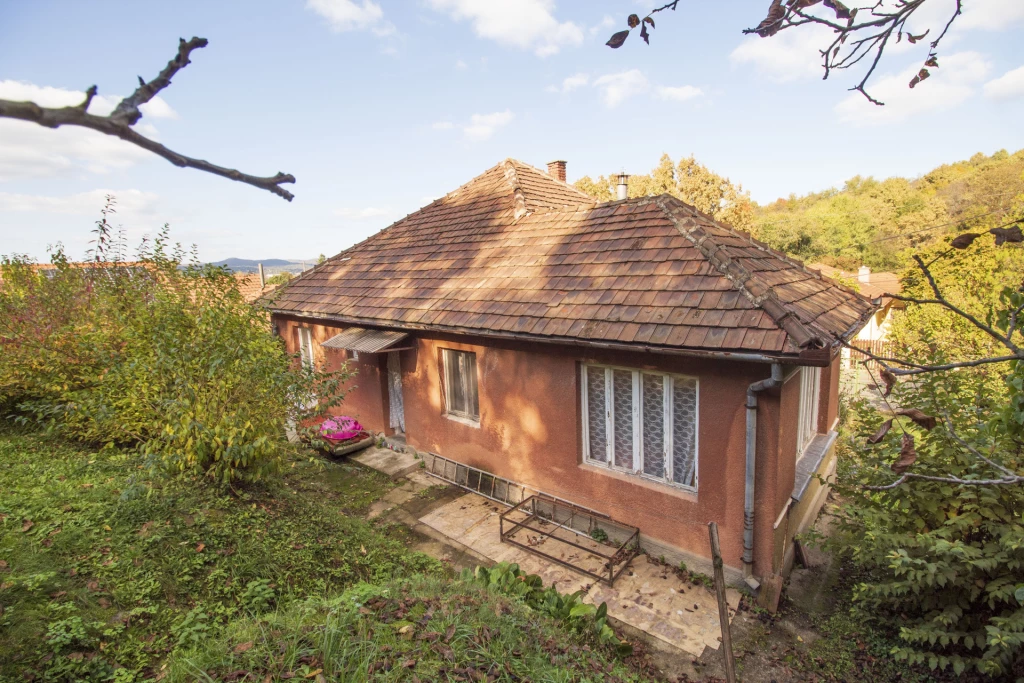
{"points": [[397, 407]]}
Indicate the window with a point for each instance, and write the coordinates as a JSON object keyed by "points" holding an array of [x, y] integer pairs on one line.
{"points": [[641, 422], [807, 420], [460, 386], [306, 347]]}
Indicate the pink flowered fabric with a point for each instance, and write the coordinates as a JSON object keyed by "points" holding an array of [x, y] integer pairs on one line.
{"points": [[340, 428]]}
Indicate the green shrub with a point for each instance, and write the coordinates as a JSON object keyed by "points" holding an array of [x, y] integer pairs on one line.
{"points": [[507, 579], [158, 354], [944, 562]]}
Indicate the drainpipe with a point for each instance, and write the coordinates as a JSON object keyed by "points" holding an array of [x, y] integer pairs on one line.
{"points": [[748, 493]]}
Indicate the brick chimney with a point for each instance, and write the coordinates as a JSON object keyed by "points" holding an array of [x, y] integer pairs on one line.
{"points": [[556, 169]]}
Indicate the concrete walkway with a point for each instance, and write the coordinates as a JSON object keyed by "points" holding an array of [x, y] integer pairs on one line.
{"points": [[462, 529], [647, 596]]}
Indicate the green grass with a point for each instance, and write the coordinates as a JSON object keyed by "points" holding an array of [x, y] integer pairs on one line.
{"points": [[110, 574], [105, 571], [421, 629]]}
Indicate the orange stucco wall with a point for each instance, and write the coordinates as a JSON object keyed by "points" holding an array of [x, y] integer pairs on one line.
{"points": [[366, 397], [530, 432]]}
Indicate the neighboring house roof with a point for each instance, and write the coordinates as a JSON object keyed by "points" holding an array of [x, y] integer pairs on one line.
{"points": [[876, 286], [249, 286], [50, 269], [517, 253]]}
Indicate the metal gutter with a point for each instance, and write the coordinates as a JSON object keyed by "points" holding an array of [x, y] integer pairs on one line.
{"points": [[748, 491]]}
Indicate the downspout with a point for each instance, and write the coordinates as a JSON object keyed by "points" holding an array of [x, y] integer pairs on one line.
{"points": [[748, 492]]}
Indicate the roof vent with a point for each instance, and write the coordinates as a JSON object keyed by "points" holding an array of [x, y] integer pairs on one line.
{"points": [[864, 274], [622, 189], [556, 169]]}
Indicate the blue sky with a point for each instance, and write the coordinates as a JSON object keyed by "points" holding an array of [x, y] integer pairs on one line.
{"points": [[378, 107]]}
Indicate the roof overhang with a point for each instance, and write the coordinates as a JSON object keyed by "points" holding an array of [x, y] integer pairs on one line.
{"points": [[366, 341], [814, 357]]}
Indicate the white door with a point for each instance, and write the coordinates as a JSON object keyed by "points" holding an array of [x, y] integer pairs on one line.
{"points": [[395, 392]]}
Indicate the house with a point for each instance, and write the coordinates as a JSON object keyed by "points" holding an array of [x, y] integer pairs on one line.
{"points": [[634, 357], [252, 286], [878, 287]]}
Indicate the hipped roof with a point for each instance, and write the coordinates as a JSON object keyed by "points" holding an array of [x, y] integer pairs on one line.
{"points": [[515, 252]]}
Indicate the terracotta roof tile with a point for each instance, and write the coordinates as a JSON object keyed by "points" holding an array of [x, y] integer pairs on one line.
{"points": [[516, 251]]}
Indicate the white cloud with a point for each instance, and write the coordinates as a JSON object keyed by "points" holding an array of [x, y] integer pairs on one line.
{"points": [[570, 83], [133, 202], [988, 15], [482, 126], [461, 65], [618, 86], [606, 23], [949, 86], [364, 213], [678, 93], [525, 24], [350, 15], [1007, 86], [47, 96], [29, 150], [787, 56]]}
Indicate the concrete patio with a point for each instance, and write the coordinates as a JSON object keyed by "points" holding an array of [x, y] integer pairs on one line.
{"points": [[647, 596]]}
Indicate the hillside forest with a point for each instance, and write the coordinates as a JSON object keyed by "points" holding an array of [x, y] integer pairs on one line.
{"points": [[877, 223]]}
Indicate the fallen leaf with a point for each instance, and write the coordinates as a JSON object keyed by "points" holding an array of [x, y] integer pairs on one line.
{"points": [[965, 240], [200, 547], [889, 379], [617, 40], [104, 603], [27, 525], [312, 674], [882, 431], [93, 586], [362, 549], [242, 647], [926, 421], [3, 565], [1012, 234], [907, 455], [409, 663]]}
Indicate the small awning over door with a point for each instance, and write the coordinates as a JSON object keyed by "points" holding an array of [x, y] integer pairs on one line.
{"points": [[366, 341]]}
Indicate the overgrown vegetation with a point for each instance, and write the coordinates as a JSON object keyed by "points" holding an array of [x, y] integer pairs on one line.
{"points": [[879, 223], [870, 222], [942, 554], [104, 570], [157, 354], [419, 629]]}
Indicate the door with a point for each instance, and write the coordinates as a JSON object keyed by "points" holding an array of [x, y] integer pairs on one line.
{"points": [[395, 392]]}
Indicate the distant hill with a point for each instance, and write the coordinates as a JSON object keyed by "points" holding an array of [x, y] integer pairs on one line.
{"points": [[270, 265]]}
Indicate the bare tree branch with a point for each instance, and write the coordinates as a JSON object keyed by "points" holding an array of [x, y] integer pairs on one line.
{"points": [[127, 113]]}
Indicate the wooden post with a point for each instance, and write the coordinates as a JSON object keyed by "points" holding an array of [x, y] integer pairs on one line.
{"points": [[723, 606]]}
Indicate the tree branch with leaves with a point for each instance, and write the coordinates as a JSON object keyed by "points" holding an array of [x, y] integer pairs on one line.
{"points": [[119, 123], [1002, 326], [855, 42]]}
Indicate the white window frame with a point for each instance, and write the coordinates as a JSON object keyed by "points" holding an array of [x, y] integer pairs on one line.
{"points": [[668, 394], [306, 347], [462, 416], [810, 399]]}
